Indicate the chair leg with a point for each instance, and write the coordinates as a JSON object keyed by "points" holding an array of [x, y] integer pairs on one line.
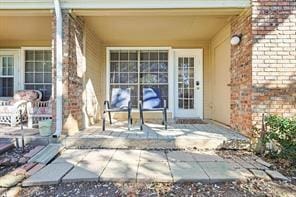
{"points": [[109, 113], [165, 119], [141, 119], [104, 121], [129, 120]]}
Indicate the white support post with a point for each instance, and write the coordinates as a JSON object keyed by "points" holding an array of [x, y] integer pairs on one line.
{"points": [[59, 68]]}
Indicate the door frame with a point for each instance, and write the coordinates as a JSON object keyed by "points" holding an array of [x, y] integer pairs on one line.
{"points": [[198, 53]]}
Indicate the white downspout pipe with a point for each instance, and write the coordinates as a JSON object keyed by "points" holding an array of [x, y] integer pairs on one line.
{"points": [[59, 68]]}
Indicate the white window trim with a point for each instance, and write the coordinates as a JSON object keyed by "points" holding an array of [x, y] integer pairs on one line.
{"points": [[170, 71], [17, 65], [22, 65]]}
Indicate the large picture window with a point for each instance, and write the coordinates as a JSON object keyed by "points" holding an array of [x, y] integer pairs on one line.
{"points": [[38, 71], [137, 69]]}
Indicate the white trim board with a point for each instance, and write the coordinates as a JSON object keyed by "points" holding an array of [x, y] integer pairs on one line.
{"points": [[118, 4]]}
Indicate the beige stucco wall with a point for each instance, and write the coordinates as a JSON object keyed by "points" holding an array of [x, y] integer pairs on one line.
{"points": [[94, 78], [219, 74]]}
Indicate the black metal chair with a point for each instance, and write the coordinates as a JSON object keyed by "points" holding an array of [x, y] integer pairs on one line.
{"points": [[152, 101], [120, 102]]}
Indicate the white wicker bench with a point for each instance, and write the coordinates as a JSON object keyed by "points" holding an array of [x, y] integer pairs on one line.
{"points": [[11, 110]]}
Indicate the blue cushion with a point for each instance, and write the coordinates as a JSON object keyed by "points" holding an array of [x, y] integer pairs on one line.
{"points": [[152, 98], [120, 97]]}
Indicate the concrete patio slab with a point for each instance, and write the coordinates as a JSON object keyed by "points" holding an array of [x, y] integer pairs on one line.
{"points": [[78, 174], [72, 156], [127, 155], [219, 171], [154, 172], [180, 156], [147, 156], [188, 171], [50, 174], [208, 156], [121, 171]]}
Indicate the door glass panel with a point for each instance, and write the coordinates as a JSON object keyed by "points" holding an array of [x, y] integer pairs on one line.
{"points": [[186, 83]]}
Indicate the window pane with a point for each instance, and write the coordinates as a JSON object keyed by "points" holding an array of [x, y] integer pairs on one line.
{"points": [[47, 55], [39, 67], [133, 78], [38, 55], [123, 66], [29, 67], [29, 55], [133, 67], [6, 87], [47, 78], [47, 67], [123, 55], [133, 55], [29, 78], [114, 67], [153, 67], [154, 55], [38, 77], [114, 55], [123, 77]]}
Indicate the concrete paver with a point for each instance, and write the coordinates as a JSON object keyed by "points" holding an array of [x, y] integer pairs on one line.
{"points": [[127, 155], [180, 156], [46, 154], [188, 171], [154, 172], [120, 171], [276, 175], [219, 171], [78, 174], [206, 156], [260, 174], [95, 161], [72, 156], [153, 156], [50, 174]]}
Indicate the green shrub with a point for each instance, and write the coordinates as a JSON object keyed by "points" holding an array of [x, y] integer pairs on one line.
{"points": [[281, 132]]}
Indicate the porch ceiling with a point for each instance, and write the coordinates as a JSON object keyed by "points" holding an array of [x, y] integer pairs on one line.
{"points": [[28, 28], [153, 29]]}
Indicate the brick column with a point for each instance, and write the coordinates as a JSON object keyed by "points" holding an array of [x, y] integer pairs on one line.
{"points": [[241, 74], [73, 68], [273, 58]]}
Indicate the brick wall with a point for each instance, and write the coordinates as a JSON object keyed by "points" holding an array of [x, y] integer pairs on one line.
{"points": [[73, 67], [263, 65], [273, 58], [241, 74]]}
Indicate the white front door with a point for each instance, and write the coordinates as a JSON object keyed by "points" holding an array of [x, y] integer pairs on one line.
{"points": [[188, 83]]}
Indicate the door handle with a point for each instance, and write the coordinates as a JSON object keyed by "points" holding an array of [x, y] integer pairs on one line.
{"points": [[197, 83]]}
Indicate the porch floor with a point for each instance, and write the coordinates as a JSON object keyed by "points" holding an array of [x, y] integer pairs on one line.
{"points": [[154, 136]]}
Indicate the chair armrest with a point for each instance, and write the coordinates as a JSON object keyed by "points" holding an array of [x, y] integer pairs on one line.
{"points": [[140, 105], [164, 104], [129, 105]]}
